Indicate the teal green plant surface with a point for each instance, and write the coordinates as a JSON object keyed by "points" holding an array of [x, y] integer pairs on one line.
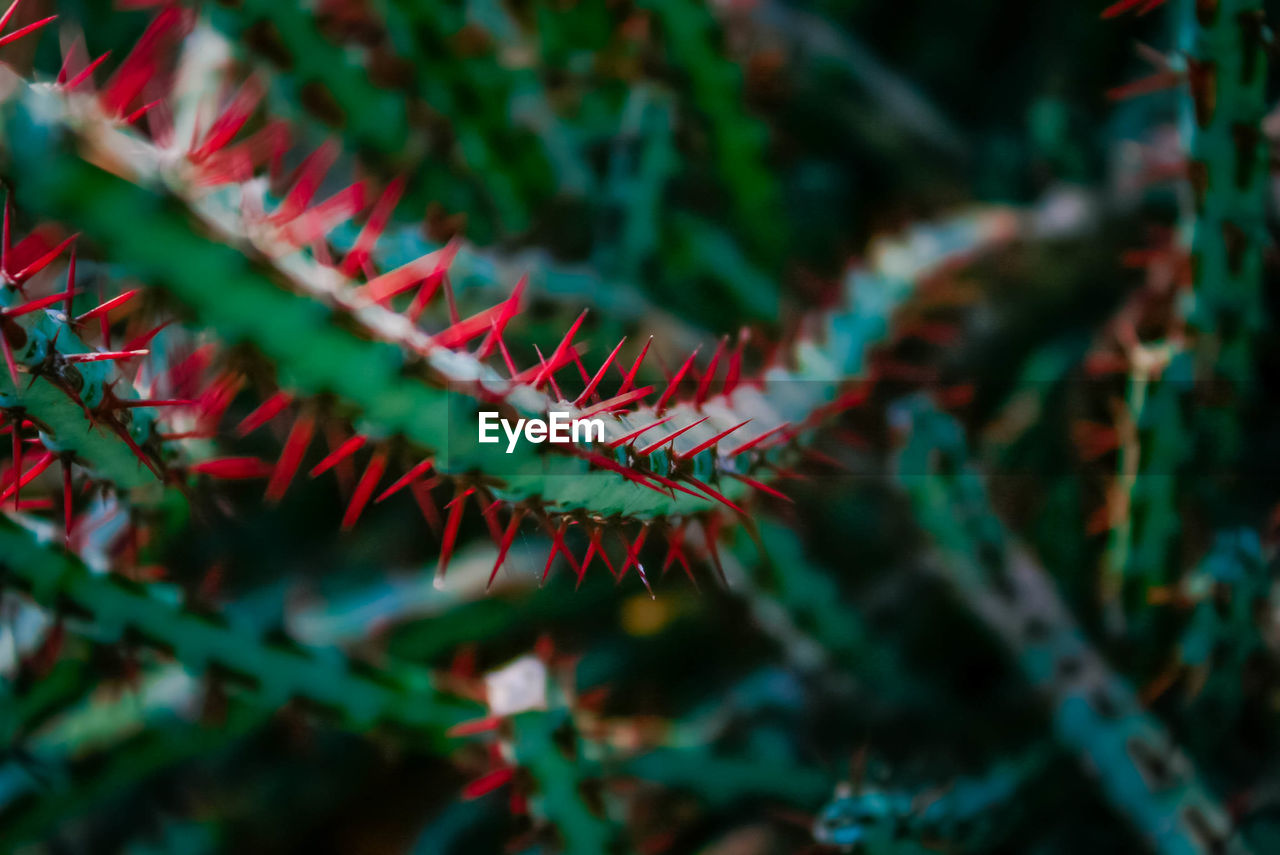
{"points": [[202, 642], [1094, 712]]}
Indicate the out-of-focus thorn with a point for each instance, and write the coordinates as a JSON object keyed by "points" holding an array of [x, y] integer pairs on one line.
{"points": [[339, 454], [488, 783], [761, 486], [455, 508], [264, 413], [413, 474], [364, 489], [234, 468], [513, 526], [295, 448]]}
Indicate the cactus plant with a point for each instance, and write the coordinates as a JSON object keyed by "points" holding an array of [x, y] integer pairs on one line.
{"points": [[826, 580]]}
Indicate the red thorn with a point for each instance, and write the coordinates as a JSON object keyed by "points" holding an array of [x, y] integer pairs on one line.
{"points": [[318, 220], [635, 367], [412, 475], [847, 400], [499, 326], [406, 276], [234, 468], [8, 14], [488, 783], [140, 66], [710, 536], [29, 28], [704, 385], [68, 508], [456, 508], [342, 452], [703, 446], [560, 353], [295, 448], [421, 491], [513, 525], [676, 485], [35, 305], [617, 402], [422, 298], [140, 342], [104, 355], [596, 536], [310, 174], [760, 485], [633, 557], [449, 299], [582, 369], [506, 356], [675, 383], [140, 112], [17, 461], [216, 398], [70, 293], [364, 489], [42, 463], [1119, 8], [372, 230], [593, 547], [233, 118], [715, 494], [1157, 82], [464, 331], [6, 242], [488, 512], [530, 374], [599, 375], [153, 402], [734, 373], [614, 466], [675, 552], [649, 449], [752, 443], [85, 73], [264, 413], [238, 162], [125, 437], [586, 562], [627, 437], [542, 363], [186, 434], [494, 320], [558, 545], [107, 306], [471, 728]]}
